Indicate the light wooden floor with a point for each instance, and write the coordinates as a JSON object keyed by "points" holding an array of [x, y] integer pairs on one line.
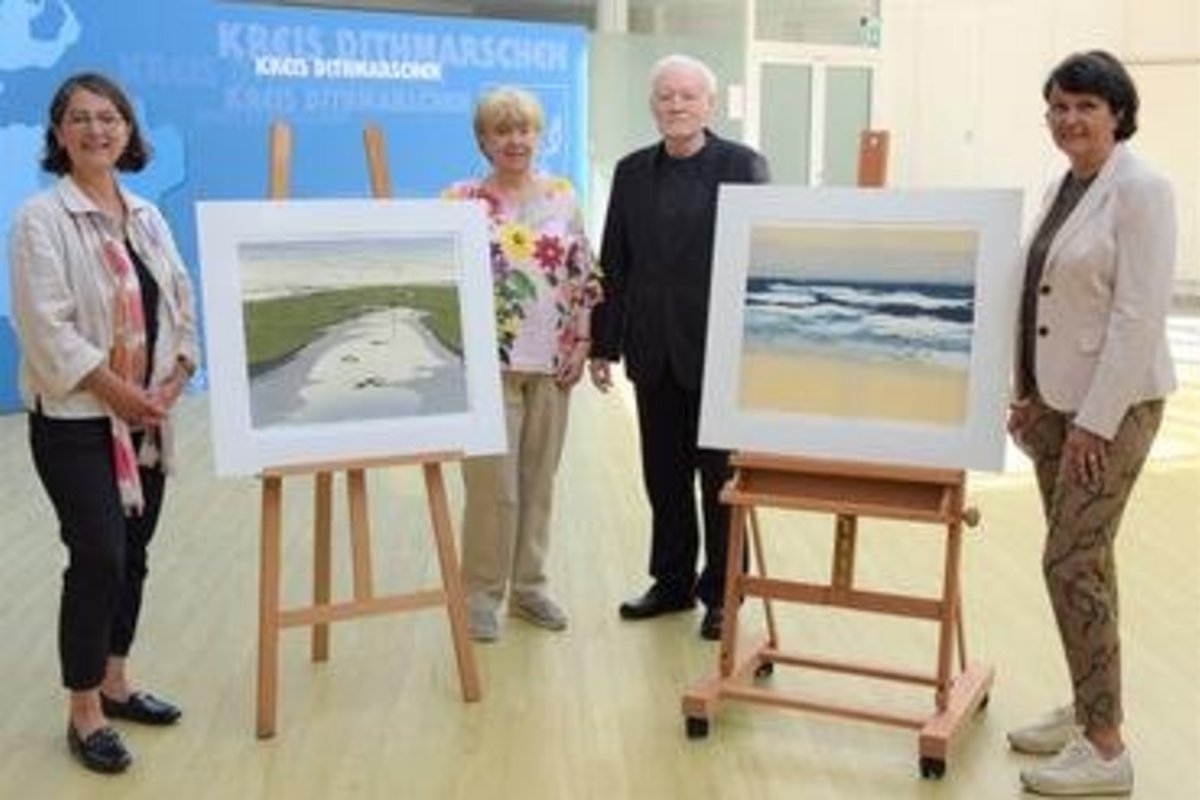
{"points": [[594, 712]]}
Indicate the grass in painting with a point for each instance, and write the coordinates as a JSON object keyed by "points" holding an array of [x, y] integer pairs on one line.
{"points": [[278, 327]]}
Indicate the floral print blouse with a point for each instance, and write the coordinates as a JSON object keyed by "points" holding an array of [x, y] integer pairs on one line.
{"points": [[543, 272]]}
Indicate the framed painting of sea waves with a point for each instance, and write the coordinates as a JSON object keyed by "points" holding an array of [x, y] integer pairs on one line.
{"points": [[339, 330], [862, 325]]}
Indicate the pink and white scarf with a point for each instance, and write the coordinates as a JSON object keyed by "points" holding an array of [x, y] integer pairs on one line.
{"points": [[127, 359]]}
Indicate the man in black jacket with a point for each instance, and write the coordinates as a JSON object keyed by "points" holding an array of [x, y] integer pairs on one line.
{"points": [[657, 262]]}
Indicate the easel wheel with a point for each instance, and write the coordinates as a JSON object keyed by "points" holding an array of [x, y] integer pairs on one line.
{"points": [[697, 727], [932, 768], [764, 670]]}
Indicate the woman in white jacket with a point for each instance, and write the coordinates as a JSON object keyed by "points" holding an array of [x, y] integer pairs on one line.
{"points": [[104, 314], [1092, 371]]}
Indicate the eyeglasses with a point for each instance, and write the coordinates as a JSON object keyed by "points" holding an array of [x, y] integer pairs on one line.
{"points": [[1085, 109], [82, 119]]}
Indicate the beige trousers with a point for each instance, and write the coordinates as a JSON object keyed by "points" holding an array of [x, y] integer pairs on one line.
{"points": [[506, 522]]}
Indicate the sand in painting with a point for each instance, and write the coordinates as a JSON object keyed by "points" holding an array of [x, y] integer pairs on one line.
{"points": [[804, 383]]}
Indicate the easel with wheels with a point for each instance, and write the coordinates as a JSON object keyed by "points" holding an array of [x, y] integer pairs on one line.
{"points": [[848, 491], [271, 617]]}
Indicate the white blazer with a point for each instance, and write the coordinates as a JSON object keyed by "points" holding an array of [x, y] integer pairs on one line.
{"points": [[1104, 297]]}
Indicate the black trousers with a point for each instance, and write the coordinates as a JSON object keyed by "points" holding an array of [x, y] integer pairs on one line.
{"points": [[669, 423], [102, 584]]}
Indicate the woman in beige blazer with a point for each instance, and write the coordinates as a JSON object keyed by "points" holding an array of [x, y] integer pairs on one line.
{"points": [[1092, 370], [103, 311]]}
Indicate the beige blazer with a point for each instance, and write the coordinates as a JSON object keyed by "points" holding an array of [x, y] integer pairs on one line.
{"points": [[62, 295], [1104, 297]]}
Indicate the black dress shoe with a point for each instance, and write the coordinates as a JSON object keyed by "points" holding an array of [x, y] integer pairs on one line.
{"points": [[141, 707], [710, 626], [101, 751], [656, 601]]}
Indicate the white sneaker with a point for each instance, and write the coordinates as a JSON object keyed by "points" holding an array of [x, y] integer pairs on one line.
{"points": [[540, 610], [1048, 735], [1080, 770], [482, 625]]}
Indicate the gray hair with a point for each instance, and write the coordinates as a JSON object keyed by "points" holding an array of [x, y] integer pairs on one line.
{"points": [[681, 61]]}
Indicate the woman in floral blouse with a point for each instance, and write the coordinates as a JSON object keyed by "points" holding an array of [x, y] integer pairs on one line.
{"points": [[545, 285]]}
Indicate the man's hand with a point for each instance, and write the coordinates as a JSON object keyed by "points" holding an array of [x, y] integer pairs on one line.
{"points": [[601, 374]]}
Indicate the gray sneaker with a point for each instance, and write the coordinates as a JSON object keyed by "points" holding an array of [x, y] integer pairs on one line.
{"points": [[482, 624], [540, 610], [1046, 736]]}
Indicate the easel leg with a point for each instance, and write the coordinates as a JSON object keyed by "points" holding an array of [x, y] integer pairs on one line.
{"points": [[733, 589], [760, 560], [960, 630], [845, 542], [268, 604], [950, 603], [443, 534], [322, 558], [360, 534]]}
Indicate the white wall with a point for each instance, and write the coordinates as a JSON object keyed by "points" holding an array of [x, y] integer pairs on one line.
{"points": [[1162, 48], [960, 90]]}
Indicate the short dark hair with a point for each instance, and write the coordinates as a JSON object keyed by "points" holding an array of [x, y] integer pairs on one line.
{"points": [[136, 154], [1099, 72]]}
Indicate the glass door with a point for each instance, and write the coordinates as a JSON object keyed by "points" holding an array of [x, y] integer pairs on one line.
{"points": [[847, 115], [805, 109], [785, 121]]}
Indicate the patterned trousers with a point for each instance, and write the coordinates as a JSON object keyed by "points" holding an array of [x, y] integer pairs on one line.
{"points": [[1078, 564]]}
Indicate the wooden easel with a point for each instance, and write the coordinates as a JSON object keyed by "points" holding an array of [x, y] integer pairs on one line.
{"points": [[848, 491], [271, 617]]}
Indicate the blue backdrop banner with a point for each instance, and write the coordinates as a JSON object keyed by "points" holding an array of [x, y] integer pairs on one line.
{"points": [[208, 78]]}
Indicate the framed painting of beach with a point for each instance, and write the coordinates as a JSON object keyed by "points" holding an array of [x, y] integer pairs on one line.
{"points": [[862, 324], [341, 330]]}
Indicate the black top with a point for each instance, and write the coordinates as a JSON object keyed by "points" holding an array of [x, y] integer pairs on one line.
{"points": [[150, 291], [656, 256], [1069, 194], [680, 195]]}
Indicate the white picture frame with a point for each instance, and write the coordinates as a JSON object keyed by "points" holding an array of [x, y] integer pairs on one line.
{"points": [[347, 330], [863, 324]]}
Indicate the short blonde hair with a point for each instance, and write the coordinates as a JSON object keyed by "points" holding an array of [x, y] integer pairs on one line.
{"points": [[507, 106]]}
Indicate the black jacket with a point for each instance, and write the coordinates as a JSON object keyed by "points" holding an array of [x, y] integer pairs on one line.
{"points": [[655, 308]]}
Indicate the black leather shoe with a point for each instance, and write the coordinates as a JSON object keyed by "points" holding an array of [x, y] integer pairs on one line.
{"points": [[656, 601], [101, 751], [710, 626], [141, 707]]}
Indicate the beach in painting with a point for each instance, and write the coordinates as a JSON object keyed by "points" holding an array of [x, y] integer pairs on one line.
{"points": [[849, 323], [352, 331]]}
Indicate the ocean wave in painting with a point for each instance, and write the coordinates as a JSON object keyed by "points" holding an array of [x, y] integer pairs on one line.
{"points": [[868, 321]]}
